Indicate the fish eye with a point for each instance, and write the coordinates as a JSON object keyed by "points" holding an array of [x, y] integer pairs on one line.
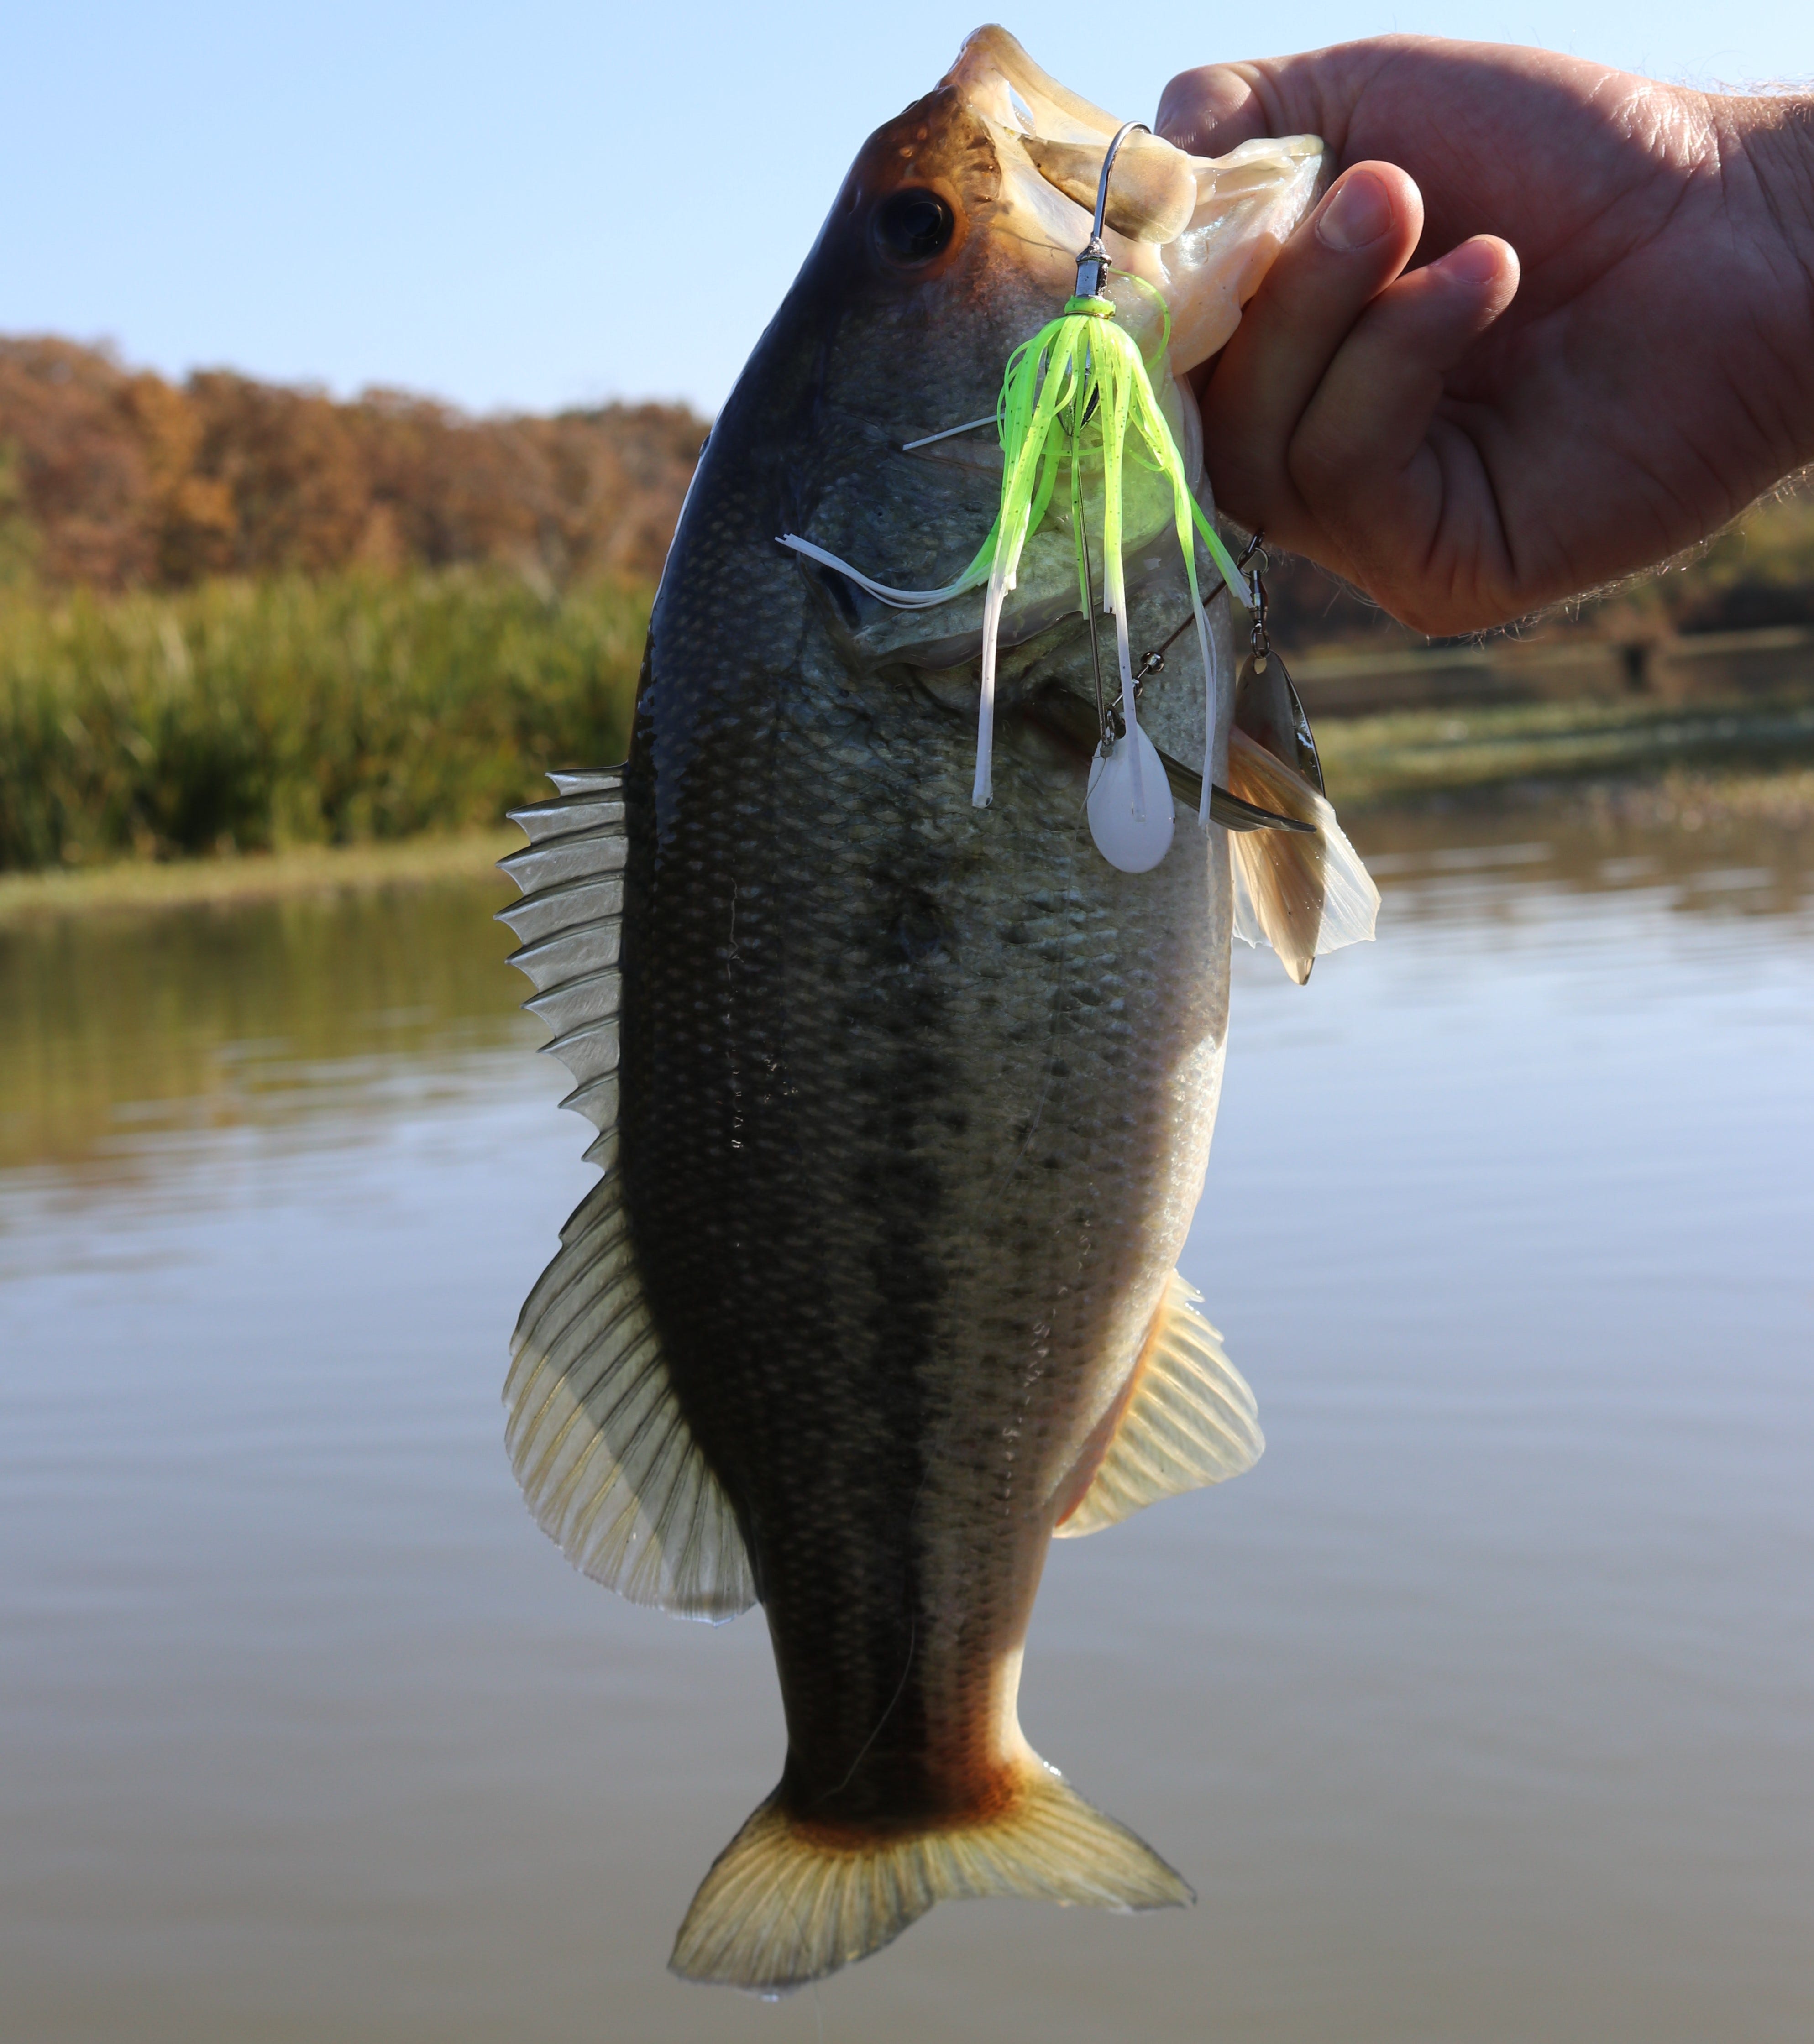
{"points": [[913, 225]]}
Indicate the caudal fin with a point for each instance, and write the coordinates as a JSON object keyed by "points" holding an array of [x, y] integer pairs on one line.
{"points": [[787, 1903]]}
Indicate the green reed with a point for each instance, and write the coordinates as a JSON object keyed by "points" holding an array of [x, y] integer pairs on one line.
{"points": [[251, 715]]}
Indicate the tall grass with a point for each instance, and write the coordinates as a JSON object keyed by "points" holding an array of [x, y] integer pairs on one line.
{"points": [[250, 715]]}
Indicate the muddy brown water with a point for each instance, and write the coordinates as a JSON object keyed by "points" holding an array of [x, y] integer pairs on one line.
{"points": [[1482, 1710]]}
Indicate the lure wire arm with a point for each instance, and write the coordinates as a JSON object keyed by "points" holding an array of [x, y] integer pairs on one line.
{"points": [[1154, 663], [950, 432], [1093, 263]]}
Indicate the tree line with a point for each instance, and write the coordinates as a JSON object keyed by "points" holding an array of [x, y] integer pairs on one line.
{"points": [[112, 478]]}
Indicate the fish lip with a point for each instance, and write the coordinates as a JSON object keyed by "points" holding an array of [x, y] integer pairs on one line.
{"points": [[958, 649], [836, 599]]}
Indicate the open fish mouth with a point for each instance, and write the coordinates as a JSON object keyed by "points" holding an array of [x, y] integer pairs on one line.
{"points": [[978, 199], [1202, 230]]}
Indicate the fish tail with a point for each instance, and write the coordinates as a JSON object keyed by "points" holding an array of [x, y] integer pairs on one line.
{"points": [[788, 1901]]}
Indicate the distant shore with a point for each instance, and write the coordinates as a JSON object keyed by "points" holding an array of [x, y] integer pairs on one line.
{"points": [[1609, 766], [241, 718], [1554, 751], [134, 886]]}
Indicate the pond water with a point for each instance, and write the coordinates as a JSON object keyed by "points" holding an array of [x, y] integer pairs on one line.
{"points": [[1482, 1710]]}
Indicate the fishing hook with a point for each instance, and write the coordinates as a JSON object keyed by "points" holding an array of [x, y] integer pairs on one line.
{"points": [[1093, 265]]}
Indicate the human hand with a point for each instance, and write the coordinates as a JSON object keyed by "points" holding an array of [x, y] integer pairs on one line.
{"points": [[1606, 353]]}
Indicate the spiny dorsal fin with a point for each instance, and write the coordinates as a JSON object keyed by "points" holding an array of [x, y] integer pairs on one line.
{"points": [[1190, 1420], [596, 1436], [570, 921], [783, 1906], [1302, 894]]}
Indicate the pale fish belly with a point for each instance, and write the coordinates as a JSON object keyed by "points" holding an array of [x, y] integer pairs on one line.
{"points": [[1101, 1066], [1051, 1144]]}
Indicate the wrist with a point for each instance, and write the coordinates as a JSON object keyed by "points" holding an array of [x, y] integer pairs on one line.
{"points": [[1771, 163]]}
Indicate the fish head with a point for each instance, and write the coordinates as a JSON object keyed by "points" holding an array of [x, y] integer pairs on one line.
{"points": [[955, 238]]}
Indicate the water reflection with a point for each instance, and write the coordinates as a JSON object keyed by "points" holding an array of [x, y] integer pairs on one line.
{"points": [[1484, 1708], [117, 1030], [1708, 864]]}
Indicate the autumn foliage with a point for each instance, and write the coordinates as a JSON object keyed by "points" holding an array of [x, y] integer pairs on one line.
{"points": [[112, 478]]}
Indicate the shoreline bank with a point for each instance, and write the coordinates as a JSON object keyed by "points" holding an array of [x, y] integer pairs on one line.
{"points": [[136, 886], [1586, 764]]}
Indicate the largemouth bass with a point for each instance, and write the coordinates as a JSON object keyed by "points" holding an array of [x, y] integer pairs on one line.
{"points": [[904, 1106]]}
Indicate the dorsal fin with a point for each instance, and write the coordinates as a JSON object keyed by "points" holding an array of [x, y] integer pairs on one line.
{"points": [[596, 1435], [1190, 1420]]}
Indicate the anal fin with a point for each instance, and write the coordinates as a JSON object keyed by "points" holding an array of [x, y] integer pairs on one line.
{"points": [[1189, 1419]]}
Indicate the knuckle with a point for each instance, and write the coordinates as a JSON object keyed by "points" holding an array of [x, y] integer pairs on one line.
{"points": [[1323, 460]]}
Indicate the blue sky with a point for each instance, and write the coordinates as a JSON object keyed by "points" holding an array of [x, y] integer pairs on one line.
{"points": [[555, 203]]}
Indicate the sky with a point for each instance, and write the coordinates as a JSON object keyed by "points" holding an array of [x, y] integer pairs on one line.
{"points": [[553, 203]]}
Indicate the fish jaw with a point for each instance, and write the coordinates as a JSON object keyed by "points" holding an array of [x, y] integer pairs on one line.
{"points": [[1211, 226], [1249, 203], [1003, 84]]}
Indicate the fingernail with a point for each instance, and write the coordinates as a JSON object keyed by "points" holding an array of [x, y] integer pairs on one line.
{"points": [[1197, 104], [1360, 211], [1474, 262]]}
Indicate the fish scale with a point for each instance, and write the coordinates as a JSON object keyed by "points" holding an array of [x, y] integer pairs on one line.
{"points": [[904, 1106], [859, 1248]]}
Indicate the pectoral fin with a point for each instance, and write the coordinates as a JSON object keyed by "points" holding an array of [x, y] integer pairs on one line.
{"points": [[1189, 1419], [595, 1433]]}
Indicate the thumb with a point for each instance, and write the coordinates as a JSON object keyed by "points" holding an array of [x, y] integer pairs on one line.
{"points": [[1213, 110]]}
